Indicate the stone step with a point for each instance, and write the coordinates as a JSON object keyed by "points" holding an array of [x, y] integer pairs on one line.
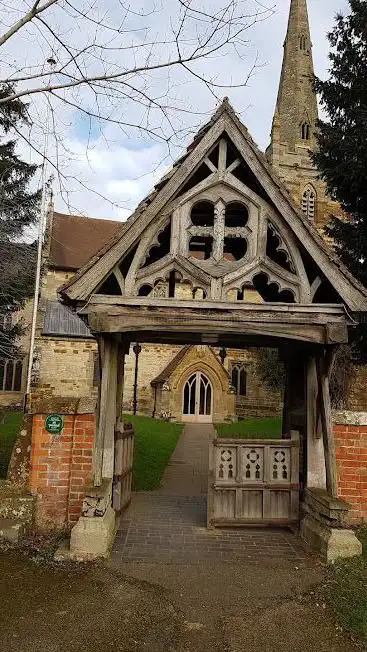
{"points": [[12, 530]]}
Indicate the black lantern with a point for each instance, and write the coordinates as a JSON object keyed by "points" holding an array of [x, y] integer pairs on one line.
{"points": [[222, 354]]}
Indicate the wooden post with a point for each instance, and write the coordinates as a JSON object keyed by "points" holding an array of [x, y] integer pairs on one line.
{"points": [[324, 366], [104, 447], [315, 448], [104, 353], [123, 349]]}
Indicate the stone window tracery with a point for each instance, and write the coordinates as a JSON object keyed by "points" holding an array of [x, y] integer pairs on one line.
{"points": [[239, 378], [11, 375], [309, 203]]}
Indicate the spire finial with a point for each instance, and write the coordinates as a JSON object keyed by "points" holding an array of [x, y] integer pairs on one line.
{"points": [[297, 103]]}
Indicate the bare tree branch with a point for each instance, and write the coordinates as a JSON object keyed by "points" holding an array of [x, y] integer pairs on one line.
{"points": [[27, 18]]}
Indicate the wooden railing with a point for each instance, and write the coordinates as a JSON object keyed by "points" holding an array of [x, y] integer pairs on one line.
{"points": [[253, 481], [123, 469]]}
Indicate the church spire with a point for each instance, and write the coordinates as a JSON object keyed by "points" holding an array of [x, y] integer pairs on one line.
{"points": [[296, 110]]}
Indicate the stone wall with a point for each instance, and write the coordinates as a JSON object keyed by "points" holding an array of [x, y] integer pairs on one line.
{"points": [[356, 399], [296, 171], [152, 360], [61, 469], [259, 401], [52, 281], [66, 367], [350, 432]]}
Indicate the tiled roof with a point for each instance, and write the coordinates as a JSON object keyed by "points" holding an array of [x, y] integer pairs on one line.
{"points": [[75, 239], [169, 369]]}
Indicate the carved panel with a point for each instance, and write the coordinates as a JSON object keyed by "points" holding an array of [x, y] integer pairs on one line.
{"points": [[252, 464]]}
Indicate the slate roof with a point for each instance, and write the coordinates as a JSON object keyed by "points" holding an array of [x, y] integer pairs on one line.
{"points": [[63, 322], [75, 239]]}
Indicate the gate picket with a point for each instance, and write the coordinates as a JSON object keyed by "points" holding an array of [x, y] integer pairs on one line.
{"points": [[123, 468]]}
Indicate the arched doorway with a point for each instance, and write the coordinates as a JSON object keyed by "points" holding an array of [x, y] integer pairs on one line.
{"points": [[198, 399]]}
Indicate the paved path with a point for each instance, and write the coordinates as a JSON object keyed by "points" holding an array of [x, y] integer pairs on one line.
{"points": [[169, 525], [187, 472]]}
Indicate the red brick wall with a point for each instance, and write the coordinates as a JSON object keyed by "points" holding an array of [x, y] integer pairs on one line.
{"points": [[351, 454], [61, 468]]}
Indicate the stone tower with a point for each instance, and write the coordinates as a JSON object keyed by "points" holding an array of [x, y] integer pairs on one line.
{"points": [[293, 133]]}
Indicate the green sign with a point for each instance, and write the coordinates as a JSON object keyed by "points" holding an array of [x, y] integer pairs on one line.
{"points": [[54, 424]]}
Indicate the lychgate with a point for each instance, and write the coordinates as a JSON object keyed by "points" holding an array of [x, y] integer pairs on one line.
{"points": [[220, 254]]}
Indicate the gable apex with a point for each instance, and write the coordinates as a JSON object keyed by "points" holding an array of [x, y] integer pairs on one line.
{"points": [[224, 122]]}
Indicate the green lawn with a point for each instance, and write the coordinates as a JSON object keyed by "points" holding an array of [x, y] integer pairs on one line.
{"points": [[155, 441], [347, 591], [270, 428], [9, 431]]}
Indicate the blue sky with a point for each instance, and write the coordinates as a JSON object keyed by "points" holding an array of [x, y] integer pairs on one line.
{"points": [[117, 167]]}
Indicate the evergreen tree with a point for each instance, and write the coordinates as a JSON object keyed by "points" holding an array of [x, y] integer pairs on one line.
{"points": [[342, 155], [18, 209]]}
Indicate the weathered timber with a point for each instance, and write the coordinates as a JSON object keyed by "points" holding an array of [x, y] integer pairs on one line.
{"points": [[253, 482], [271, 202], [86, 283], [323, 368]]}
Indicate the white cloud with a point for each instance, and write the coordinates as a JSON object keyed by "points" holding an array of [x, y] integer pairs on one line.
{"points": [[121, 165]]}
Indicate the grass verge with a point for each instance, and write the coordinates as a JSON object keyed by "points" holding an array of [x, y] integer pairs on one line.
{"points": [[155, 441], [9, 431], [346, 591], [270, 428]]}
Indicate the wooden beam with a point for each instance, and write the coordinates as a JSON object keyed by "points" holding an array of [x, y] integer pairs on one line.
{"points": [[323, 365], [105, 353]]}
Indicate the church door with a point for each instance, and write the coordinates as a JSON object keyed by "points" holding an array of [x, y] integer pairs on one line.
{"points": [[198, 399]]}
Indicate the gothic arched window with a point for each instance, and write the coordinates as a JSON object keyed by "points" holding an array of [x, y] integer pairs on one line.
{"points": [[305, 131], [11, 375], [239, 378], [309, 202], [302, 42]]}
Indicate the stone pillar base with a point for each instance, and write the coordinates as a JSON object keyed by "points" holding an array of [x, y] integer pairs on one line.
{"points": [[92, 537], [323, 526], [330, 542]]}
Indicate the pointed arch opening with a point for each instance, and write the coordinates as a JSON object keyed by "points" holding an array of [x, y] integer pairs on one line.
{"points": [[302, 43], [305, 131], [197, 400], [309, 202]]}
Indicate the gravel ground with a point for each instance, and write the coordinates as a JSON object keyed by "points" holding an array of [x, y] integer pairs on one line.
{"points": [[254, 607]]}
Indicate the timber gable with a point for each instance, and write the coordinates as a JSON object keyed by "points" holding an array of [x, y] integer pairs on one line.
{"points": [[220, 226]]}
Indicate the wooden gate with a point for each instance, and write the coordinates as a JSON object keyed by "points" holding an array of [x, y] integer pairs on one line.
{"points": [[123, 469], [253, 482]]}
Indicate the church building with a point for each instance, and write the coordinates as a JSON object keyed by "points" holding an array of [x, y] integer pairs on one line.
{"points": [[165, 315], [198, 382]]}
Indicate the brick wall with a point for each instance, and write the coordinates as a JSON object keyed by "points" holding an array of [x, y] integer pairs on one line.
{"points": [[350, 432], [61, 468]]}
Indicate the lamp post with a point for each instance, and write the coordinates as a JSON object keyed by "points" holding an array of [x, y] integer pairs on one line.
{"points": [[137, 351]]}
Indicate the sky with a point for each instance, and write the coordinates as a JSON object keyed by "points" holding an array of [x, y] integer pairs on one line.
{"points": [[115, 169]]}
